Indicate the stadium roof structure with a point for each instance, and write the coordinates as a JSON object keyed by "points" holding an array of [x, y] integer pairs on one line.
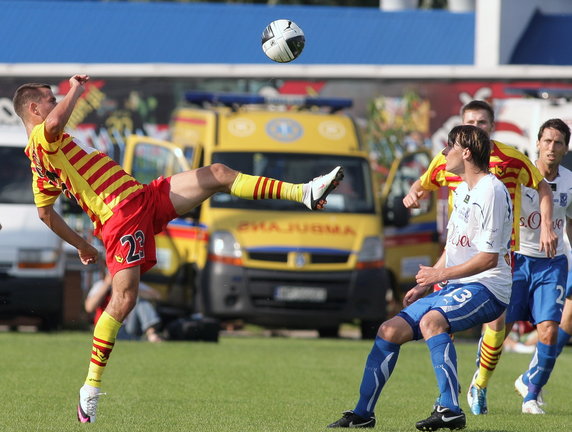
{"points": [[210, 39]]}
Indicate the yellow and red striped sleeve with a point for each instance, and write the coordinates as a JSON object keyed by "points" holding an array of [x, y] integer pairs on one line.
{"points": [[96, 181], [436, 175], [514, 169]]}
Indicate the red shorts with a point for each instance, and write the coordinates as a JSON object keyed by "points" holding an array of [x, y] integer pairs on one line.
{"points": [[129, 235]]}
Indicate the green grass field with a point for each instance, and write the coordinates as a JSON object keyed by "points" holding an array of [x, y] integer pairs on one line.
{"points": [[247, 384]]}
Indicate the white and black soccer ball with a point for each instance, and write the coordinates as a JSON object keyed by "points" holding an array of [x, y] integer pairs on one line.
{"points": [[282, 41]]}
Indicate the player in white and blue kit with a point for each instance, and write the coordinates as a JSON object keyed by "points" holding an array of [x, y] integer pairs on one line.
{"points": [[476, 262], [565, 328], [539, 283]]}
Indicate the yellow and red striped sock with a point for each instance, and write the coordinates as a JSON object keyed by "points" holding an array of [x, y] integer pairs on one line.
{"points": [[257, 187], [491, 350], [104, 336]]}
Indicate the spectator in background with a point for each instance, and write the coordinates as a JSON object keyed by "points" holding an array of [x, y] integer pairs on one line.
{"points": [[143, 320]]}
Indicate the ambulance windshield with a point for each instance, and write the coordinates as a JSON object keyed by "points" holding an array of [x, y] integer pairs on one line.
{"points": [[353, 195]]}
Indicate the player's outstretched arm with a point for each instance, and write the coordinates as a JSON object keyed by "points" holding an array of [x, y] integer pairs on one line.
{"points": [[416, 192], [87, 253], [548, 238], [58, 118]]}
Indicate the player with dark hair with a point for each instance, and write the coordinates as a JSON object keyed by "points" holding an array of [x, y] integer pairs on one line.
{"points": [[514, 169], [539, 283], [476, 264], [125, 213]]}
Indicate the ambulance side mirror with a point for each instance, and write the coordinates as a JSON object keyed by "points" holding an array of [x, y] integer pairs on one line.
{"points": [[395, 213]]}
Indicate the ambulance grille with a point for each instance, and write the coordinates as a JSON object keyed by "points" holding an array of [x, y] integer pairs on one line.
{"points": [[315, 258], [269, 256], [329, 258]]}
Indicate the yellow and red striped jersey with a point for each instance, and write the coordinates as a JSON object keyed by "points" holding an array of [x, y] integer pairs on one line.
{"points": [[507, 163], [95, 180]]}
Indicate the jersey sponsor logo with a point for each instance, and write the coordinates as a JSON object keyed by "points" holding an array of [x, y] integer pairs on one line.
{"points": [[464, 213], [461, 240], [533, 220], [50, 176], [38, 165], [563, 200]]}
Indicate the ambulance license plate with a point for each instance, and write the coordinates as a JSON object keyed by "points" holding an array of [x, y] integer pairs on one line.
{"points": [[300, 294]]}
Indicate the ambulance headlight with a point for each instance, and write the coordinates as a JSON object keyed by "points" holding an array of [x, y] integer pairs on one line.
{"points": [[223, 247], [371, 253]]}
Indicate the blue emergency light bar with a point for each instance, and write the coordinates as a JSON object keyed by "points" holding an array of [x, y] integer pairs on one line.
{"points": [[540, 92], [237, 99]]}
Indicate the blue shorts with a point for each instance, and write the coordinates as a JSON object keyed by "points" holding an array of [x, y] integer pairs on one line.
{"points": [[569, 286], [538, 289], [463, 306]]}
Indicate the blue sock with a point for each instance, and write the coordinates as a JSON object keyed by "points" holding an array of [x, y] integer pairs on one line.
{"points": [[563, 339], [539, 377], [378, 368], [444, 358]]}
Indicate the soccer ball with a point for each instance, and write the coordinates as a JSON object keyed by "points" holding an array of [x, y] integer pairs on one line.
{"points": [[282, 41]]}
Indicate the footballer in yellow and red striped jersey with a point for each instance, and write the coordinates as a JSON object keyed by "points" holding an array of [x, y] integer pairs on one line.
{"points": [[507, 163]]}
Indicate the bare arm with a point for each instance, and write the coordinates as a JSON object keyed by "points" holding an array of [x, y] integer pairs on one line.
{"points": [[148, 293], [416, 192], [419, 290], [58, 118], [548, 238], [87, 253], [477, 264], [441, 261]]}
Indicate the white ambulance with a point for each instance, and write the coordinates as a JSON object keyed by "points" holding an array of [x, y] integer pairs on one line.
{"points": [[31, 255]]}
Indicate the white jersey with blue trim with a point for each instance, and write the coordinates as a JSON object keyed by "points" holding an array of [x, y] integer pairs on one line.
{"points": [[481, 221], [530, 214]]}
